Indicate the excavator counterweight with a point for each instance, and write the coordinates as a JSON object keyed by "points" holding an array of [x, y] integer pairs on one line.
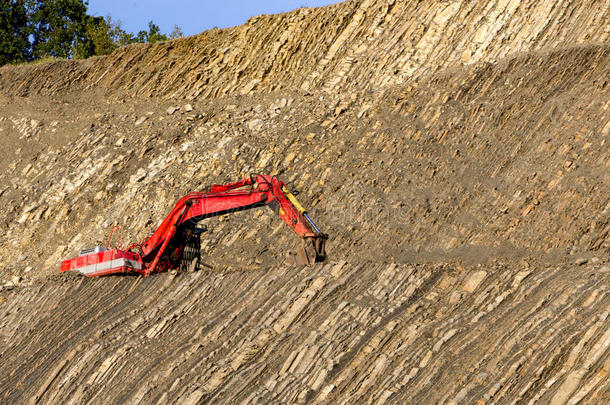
{"points": [[164, 249]]}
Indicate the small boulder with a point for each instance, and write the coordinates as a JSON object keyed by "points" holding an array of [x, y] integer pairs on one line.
{"points": [[255, 125], [139, 176], [580, 261], [473, 280]]}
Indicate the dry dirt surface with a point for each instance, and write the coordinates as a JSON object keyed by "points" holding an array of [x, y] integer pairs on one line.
{"points": [[457, 153]]}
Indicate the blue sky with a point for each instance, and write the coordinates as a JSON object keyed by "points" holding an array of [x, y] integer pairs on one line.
{"points": [[191, 15]]}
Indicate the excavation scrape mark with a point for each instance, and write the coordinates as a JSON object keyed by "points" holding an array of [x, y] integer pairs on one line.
{"points": [[250, 350], [45, 386], [417, 295]]}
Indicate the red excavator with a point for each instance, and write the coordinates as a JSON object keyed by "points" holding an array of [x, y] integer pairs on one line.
{"points": [[165, 248]]}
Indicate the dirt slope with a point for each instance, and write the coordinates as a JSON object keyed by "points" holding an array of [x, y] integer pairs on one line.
{"points": [[339, 333], [496, 160], [456, 152], [348, 47]]}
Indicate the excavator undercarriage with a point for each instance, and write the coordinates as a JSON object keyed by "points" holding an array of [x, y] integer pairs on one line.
{"points": [[175, 244]]}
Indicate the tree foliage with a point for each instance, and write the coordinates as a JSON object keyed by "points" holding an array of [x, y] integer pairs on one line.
{"points": [[176, 33], [58, 26], [14, 32], [153, 34], [36, 29]]}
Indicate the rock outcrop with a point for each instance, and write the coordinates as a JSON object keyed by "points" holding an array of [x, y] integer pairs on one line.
{"points": [[503, 159], [456, 153], [348, 47], [337, 333]]}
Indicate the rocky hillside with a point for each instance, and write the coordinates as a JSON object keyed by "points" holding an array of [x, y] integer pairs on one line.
{"points": [[456, 152], [341, 333], [350, 47]]}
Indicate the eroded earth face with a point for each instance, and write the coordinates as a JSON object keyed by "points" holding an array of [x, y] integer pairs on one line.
{"points": [[456, 154]]}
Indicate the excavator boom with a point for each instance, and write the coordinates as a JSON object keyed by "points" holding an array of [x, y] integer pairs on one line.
{"points": [[163, 249]]}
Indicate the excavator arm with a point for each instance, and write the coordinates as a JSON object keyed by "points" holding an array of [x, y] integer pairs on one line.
{"points": [[256, 191], [163, 249]]}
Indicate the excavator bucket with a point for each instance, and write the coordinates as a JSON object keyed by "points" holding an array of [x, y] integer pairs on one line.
{"points": [[312, 251]]}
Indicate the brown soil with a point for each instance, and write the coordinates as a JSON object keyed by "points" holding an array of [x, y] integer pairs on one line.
{"points": [[456, 154]]}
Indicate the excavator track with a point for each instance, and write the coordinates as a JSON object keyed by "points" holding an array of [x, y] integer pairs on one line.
{"points": [[191, 256]]}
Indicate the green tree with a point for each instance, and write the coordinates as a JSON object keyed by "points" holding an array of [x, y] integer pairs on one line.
{"points": [[14, 31], [153, 35], [59, 27], [35, 29], [103, 36], [176, 33], [98, 39], [119, 36]]}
